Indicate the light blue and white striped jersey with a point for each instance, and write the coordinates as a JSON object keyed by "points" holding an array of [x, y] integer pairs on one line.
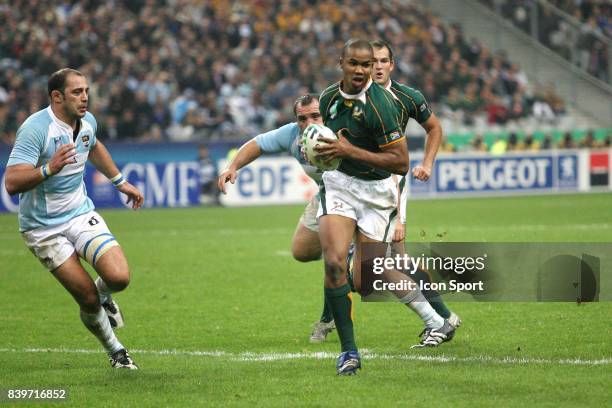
{"points": [[62, 196], [286, 139]]}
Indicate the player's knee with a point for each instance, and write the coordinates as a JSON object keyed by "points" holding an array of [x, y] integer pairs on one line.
{"points": [[118, 282], [335, 267], [304, 255], [334, 264], [89, 301], [300, 257], [115, 272], [298, 253]]}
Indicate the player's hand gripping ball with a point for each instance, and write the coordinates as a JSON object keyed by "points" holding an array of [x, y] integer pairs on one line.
{"points": [[310, 140]]}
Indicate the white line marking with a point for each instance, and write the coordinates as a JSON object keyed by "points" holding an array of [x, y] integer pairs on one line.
{"points": [[324, 355], [520, 227]]}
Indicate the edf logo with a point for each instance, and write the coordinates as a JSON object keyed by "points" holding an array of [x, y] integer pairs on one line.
{"points": [[263, 181]]}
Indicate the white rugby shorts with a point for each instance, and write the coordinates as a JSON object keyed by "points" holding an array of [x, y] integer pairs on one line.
{"points": [[87, 234], [372, 203]]}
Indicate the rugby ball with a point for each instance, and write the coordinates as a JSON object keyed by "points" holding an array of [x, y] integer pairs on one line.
{"points": [[310, 140]]}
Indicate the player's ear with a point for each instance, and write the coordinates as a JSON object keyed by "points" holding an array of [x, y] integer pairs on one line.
{"points": [[57, 96]]}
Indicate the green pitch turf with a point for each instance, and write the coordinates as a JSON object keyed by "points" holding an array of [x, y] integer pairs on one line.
{"points": [[218, 313]]}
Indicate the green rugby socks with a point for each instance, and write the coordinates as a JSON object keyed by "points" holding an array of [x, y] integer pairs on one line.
{"points": [[340, 301]]}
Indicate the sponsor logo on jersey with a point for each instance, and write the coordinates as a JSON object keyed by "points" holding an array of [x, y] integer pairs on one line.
{"points": [[85, 139], [423, 107], [357, 113]]}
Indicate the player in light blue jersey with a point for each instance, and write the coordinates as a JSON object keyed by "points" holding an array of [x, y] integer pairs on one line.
{"points": [[305, 246], [56, 218]]}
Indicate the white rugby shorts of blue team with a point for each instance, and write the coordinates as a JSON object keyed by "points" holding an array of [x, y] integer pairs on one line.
{"points": [[86, 234]]}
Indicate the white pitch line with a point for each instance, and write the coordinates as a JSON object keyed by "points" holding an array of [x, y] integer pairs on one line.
{"points": [[520, 227], [324, 355]]}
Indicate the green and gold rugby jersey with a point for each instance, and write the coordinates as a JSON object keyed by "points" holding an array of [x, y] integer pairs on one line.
{"points": [[368, 120], [411, 102]]}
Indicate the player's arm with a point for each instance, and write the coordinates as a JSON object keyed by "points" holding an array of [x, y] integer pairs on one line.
{"points": [[23, 177], [432, 144], [276, 140], [392, 157], [102, 160], [246, 154]]}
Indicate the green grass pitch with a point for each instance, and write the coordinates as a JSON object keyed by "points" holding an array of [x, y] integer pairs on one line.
{"points": [[218, 313]]}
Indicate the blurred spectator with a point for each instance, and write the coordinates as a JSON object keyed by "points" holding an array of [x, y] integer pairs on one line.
{"points": [[208, 178], [541, 106], [547, 143], [518, 108], [529, 143], [513, 142], [500, 146], [446, 147], [472, 103], [589, 141], [567, 142], [478, 144], [452, 104], [497, 113]]}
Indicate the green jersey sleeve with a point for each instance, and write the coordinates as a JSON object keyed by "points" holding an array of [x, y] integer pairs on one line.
{"points": [[412, 102], [383, 116]]}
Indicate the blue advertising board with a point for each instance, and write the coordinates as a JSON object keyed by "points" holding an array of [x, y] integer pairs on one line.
{"points": [[458, 174], [168, 176], [173, 184]]}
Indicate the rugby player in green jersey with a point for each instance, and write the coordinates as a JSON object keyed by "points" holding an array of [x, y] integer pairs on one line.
{"points": [[360, 197], [412, 104]]}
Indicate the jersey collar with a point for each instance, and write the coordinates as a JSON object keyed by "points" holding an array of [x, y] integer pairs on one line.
{"points": [[361, 96], [388, 88], [57, 120]]}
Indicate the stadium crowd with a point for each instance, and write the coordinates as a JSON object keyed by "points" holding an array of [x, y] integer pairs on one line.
{"points": [[598, 11], [578, 30], [189, 70]]}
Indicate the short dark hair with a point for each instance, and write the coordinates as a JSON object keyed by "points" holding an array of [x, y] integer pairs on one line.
{"points": [[356, 43], [382, 44], [304, 100], [57, 80]]}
